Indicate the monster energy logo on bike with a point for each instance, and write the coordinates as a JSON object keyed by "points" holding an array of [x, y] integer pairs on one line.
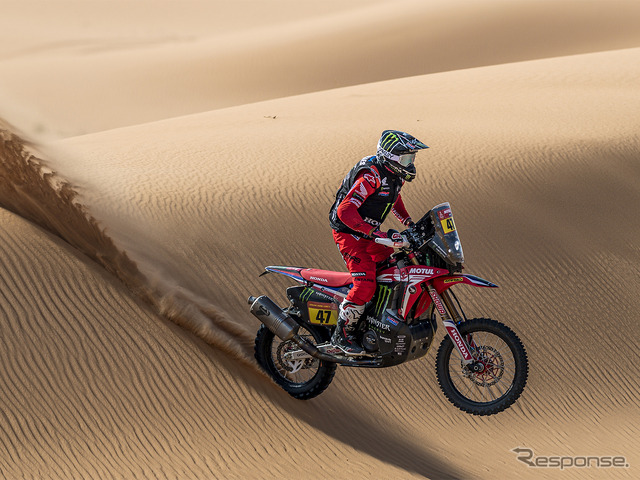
{"points": [[305, 296], [384, 293], [306, 293]]}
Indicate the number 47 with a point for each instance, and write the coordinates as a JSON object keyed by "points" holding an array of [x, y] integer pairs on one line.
{"points": [[323, 316]]}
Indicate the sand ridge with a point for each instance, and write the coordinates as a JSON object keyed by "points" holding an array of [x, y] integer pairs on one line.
{"points": [[95, 82]]}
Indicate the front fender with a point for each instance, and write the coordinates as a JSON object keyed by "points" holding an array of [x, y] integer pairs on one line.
{"points": [[443, 283]]}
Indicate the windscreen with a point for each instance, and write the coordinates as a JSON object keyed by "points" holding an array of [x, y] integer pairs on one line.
{"points": [[445, 241]]}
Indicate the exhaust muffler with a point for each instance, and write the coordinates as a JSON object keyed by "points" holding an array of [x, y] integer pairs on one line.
{"points": [[281, 324]]}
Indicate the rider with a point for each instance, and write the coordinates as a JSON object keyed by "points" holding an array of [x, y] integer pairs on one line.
{"points": [[369, 191]]}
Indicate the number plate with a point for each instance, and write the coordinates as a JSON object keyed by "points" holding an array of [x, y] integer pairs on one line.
{"points": [[446, 220], [323, 313]]}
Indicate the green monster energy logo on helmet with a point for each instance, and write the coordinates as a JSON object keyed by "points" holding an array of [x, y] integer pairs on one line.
{"points": [[395, 142], [384, 293], [389, 140]]}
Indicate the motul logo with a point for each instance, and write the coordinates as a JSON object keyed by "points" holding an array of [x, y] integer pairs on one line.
{"points": [[421, 271], [453, 333]]}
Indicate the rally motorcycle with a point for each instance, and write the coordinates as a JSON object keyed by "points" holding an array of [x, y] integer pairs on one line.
{"points": [[481, 364]]}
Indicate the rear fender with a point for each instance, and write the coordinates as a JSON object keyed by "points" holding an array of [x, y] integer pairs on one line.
{"points": [[291, 272]]}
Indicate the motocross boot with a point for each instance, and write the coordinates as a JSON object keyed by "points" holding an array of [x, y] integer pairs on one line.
{"points": [[348, 318]]}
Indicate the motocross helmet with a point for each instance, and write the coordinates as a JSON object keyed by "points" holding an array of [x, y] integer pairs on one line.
{"points": [[396, 150]]}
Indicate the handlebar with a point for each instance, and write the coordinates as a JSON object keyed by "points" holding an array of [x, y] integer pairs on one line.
{"points": [[392, 243]]}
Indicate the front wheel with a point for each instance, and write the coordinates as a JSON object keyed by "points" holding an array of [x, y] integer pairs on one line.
{"points": [[500, 372], [303, 376]]}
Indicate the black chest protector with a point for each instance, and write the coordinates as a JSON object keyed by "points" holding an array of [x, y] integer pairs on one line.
{"points": [[377, 206]]}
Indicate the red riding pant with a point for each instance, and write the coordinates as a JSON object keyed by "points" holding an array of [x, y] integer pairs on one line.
{"points": [[361, 256]]}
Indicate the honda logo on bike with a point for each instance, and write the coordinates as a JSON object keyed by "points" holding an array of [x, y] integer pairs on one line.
{"points": [[319, 279], [455, 335]]}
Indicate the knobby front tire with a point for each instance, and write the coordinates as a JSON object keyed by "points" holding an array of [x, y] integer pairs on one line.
{"points": [[302, 379], [503, 377]]}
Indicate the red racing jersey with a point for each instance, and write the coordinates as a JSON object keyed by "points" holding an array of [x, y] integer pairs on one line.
{"points": [[369, 185]]}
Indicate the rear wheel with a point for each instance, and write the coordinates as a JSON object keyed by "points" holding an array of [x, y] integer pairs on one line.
{"points": [[501, 368], [304, 377]]}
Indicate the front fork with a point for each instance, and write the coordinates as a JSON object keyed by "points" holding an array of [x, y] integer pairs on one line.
{"points": [[450, 317]]}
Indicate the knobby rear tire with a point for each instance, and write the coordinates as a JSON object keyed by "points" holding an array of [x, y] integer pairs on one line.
{"points": [[268, 349], [484, 330]]}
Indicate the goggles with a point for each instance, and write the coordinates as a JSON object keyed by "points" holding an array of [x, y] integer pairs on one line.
{"points": [[406, 159]]}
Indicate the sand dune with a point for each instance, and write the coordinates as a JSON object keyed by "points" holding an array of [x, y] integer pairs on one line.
{"points": [[95, 385], [126, 340], [121, 74]]}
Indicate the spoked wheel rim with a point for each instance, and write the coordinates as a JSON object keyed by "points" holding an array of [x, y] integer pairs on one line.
{"points": [[291, 363], [497, 377], [497, 369]]}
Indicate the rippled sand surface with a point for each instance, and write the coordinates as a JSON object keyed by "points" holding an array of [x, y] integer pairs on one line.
{"points": [[156, 155]]}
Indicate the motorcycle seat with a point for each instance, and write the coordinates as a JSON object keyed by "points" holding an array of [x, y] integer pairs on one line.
{"points": [[327, 277]]}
